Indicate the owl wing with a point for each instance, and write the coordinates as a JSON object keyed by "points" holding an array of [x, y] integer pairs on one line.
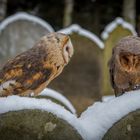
{"points": [[24, 74]]}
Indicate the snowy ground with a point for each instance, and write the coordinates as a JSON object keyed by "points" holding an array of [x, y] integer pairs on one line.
{"points": [[92, 124]]}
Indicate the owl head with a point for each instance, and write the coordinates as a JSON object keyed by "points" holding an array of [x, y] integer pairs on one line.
{"points": [[59, 42], [125, 65]]}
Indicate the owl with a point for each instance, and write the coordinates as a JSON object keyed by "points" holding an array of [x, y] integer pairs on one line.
{"points": [[32, 70], [124, 65]]}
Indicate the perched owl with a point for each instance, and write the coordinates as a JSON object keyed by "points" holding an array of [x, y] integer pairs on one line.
{"points": [[31, 71], [125, 65]]}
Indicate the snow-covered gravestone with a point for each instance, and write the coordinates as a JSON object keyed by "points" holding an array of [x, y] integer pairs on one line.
{"points": [[127, 128], [80, 80], [115, 119], [27, 118], [111, 35], [19, 32]]}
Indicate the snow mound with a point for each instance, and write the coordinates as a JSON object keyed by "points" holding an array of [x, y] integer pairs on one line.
{"points": [[101, 116], [25, 16], [16, 103], [111, 26], [76, 28], [56, 95]]}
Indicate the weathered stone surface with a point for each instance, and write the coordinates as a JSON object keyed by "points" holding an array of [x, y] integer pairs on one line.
{"points": [[128, 128], [19, 33], [81, 78], [35, 125]]}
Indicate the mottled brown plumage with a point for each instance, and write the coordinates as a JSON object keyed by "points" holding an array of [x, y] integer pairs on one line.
{"points": [[32, 71], [125, 65]]}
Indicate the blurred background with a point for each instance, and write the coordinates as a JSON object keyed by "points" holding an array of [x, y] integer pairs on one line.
{"points": [[98, 28], [91, 14]]}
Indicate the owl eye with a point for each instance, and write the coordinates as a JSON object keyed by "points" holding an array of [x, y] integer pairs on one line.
{"points": [[67, 48]]}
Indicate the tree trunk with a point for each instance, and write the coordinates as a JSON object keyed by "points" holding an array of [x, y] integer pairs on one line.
{"points": [[68, 12], [3, 6], [129, 11]]}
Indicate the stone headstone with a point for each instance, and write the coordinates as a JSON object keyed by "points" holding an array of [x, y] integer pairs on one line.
{"points": [[127, 128], [81, 78], [28, 118], [19, 32], [114, 119], [111, 35], [35, 125]]}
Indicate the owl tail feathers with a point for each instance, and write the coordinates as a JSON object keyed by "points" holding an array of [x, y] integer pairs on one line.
{"points": [[7, 87]]}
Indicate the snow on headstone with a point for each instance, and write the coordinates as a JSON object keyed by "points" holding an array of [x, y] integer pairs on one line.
{"points": [[19, 32], [112, 33], [102, 116], [127, 128], [28, 118], [57, 98], [80, 80]]}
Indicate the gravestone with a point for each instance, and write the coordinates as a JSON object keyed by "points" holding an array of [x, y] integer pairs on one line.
{"points": [[28, 118], [111, 35], [127, 128], [35, 125], [19, 32], [81, 78]]}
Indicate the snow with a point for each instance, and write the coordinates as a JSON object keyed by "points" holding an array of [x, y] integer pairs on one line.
{"points": [[25, 16], [76, 28], [118, 21], [92, 124], [99, 117], [107, 98], [15, 103], [56, 95]]}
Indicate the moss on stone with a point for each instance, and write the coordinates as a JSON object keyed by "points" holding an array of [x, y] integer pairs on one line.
{"points": [[128, 128], [35, 125]]}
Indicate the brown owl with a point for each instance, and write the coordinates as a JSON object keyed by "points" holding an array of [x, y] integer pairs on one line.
{"points": [[125, 65], [31, 71]]}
